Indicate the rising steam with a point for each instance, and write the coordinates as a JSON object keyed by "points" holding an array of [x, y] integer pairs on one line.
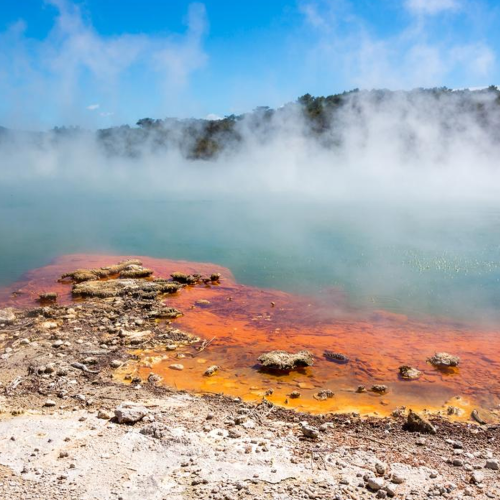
{"points": [[424, 144]]}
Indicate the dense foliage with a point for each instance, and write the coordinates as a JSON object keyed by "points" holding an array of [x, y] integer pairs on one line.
{"points": [[322, 118]]}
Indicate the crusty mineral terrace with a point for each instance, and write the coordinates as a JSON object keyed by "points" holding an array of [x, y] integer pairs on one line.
{"points": [[71, 429], [371, 362]]}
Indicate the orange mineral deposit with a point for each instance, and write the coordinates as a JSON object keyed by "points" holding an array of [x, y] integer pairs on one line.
{"points": [[242, 322]]}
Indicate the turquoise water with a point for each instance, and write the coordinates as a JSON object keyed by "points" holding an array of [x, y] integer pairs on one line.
{"points": [[439, 260]]}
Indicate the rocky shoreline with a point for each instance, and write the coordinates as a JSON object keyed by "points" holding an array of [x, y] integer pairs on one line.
{"points": [[70, 428]]}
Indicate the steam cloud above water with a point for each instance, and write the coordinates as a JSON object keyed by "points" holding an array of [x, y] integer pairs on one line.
{"points": [[361, 145], [424, 144]]}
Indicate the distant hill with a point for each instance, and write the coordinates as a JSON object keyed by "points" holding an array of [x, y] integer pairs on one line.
{"points": [[325, 120]]}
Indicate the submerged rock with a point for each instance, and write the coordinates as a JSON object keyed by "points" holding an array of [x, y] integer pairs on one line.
{"points": [[284, 361], [444, 360], [153, 378], [186, 279], [48, 297], [324, 394], [418, 423], [211, 370], [195, 278], [177, 366], [174, 335], [202, 302], [336, 356], [379, 389], [409, 373], [454, 410], [485, 417]]}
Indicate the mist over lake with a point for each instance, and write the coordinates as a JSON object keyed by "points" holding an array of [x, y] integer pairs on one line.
{"points": [[416, 260], [390, 198], [249, 249]]}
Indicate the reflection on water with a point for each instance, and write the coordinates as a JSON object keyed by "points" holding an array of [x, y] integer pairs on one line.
{"points": [[246, 321]]}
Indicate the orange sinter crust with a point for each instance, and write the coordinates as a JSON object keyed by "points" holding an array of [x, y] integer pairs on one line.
{"points": [[245, 322]]}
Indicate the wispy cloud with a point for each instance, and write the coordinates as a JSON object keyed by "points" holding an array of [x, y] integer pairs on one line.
{"points": [[348, 50], [75, 60], [178, 60], [93, 107], [432, 7]]}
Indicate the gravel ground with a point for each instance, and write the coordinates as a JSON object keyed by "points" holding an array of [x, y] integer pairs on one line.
{"points": [[69, 429]]}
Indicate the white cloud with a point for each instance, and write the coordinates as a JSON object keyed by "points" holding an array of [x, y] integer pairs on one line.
{"points": [[312, 15], [432, 7], [347, 50], [75, 60], [178, 60], [93, 107]]}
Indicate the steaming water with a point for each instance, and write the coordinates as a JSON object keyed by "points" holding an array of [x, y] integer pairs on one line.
{"points": [[392, 210], [243, 322], [434, 260]]}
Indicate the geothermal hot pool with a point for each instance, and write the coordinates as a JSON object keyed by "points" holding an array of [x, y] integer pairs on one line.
{"points": [[244, 321]]}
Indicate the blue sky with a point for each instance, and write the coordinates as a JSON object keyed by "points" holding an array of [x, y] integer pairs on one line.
{"points": [[98, 63]]}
